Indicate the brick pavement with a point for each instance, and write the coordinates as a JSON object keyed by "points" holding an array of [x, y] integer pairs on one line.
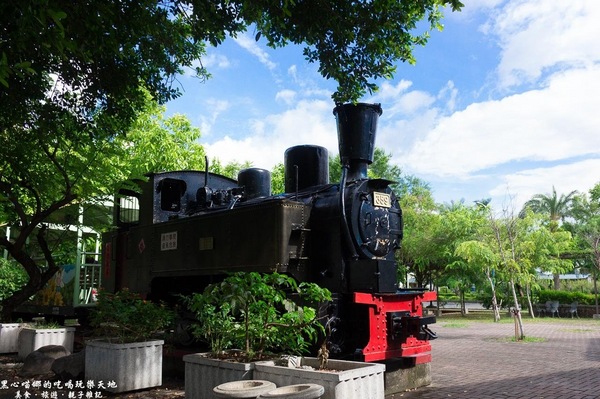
{"points": [[475, 360]]}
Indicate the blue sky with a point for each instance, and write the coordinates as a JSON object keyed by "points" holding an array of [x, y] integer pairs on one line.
{"points": [[502, 104]]}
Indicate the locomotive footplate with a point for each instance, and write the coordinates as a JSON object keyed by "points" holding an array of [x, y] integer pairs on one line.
{"points": [[397, 328]]}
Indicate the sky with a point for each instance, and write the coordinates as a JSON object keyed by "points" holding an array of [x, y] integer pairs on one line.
{"points": [[504, 103]]}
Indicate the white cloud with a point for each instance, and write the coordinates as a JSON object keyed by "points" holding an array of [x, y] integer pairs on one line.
{"points": [[553, 123], [472, 7], [310, 122], [250, 45], [213, 108], [389, 91], [580, 176], [293, 72], [536, 35], [287, 96], [397, 100], [212, 60]]}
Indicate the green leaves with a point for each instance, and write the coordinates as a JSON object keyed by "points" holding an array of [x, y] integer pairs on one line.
{"points": [[125, 317], [259, 313], [12, 277]]}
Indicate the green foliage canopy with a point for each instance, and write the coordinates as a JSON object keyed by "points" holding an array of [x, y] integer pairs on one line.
{"points": [[44, 172], [93, 56]]}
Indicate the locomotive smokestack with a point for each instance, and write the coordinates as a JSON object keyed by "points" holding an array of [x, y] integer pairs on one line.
{"points": [[357, 126]]}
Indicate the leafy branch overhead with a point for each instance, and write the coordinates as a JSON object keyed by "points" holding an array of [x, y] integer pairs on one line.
{"points": [[93, 56]]}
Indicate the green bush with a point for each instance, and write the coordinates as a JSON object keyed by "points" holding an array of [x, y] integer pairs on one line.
{"points": [[12, 277], [125, 317], [564, 297], [255, 313], [577, 286]]}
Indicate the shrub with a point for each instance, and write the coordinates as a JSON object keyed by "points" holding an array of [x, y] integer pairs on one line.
{"points": [[125, 317], [255, 313], [564, 297]]}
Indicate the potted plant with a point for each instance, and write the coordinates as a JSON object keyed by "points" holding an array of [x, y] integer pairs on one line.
{"points": [[128, 354], [246, 318], [42, 333]]}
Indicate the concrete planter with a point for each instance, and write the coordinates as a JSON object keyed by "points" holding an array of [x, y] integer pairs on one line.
{"points": [[244, 389], [31, 339], [202, 374], [132, 366], [9, 337], [344, 380]]}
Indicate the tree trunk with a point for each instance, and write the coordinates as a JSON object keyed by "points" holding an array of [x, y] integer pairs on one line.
{"points": [[463, 306], [495, 306], [529, 304], [438, 310], [556, 278], [517, 311], [596, 290], [37, 277]]}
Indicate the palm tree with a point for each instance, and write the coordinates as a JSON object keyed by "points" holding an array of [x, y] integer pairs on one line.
{"points": [[556, 208]]}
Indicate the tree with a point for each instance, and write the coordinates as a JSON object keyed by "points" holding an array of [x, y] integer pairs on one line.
{"points": [[278, 179], [155, 143], [88, 64], [555, 208], [41, 174], [511, 249], [102, 50], [44, 173], [380, 168], [586, 211], [420, 253], [459, 223], [230, 170]]}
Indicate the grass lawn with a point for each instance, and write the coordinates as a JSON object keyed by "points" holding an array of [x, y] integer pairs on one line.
{"points": [[455, 319]]}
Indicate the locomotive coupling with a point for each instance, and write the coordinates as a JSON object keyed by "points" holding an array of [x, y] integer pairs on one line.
{"points": [[403, 325]]}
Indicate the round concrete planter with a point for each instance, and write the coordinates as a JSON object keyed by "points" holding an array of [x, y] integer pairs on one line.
{"points": [[298, 391], [243, 389]]}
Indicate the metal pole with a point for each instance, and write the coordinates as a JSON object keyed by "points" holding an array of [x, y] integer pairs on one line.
{"points": [[76, 285], [7, 238]]}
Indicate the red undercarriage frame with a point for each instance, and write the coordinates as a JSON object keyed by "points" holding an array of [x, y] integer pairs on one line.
{"points": [[395, 325]]}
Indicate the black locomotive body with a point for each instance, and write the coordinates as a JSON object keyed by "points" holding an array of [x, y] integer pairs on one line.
{"points": [[194, 227]]}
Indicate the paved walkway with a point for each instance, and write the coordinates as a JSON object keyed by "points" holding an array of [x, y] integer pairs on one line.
{"points": [[476, 360]]}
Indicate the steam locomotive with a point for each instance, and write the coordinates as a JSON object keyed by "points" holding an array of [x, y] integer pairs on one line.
{"points": [[186, 229]]}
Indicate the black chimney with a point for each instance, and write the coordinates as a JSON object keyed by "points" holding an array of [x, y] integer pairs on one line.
{"points": [[357, 126]]}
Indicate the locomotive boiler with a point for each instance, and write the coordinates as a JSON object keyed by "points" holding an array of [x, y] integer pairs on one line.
{"points": [[186, 229]]}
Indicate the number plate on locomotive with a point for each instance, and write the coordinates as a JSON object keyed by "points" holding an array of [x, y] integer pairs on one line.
{"points": [[382, 199]]}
